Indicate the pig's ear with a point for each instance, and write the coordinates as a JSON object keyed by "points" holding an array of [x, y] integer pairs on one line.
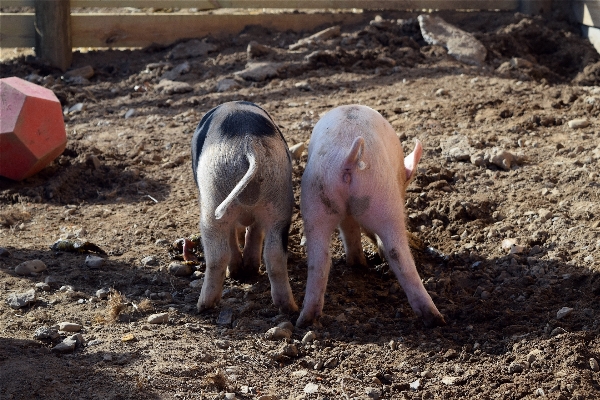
{"points": [[411, 161]]}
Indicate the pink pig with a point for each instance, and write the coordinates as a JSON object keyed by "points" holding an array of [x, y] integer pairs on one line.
{"points": [[356, 177]]}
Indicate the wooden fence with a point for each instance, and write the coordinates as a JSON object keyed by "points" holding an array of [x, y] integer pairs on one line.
{"points": [[59, 25]]}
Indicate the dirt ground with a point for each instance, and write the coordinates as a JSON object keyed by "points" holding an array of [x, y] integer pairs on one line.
{"points": [[124, 183]]}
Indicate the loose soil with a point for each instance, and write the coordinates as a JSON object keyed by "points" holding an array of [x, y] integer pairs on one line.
{"points": [[125, 184]]}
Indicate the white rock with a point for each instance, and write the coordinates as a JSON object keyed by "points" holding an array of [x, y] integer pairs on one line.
{"points": [[594, 365], [102, 293], [544, 214], [76, 108], [43, 286], [564, 312], [65, 346], [227, 84], [460, 44], [578, 123], [94, 261], [160, 318], [297, 150], [311, 388], [27, 267], [69, 327], [260, 71], [130, 113], [450, 380], [18, 300], [45, 332], [309, 337], [277, 333], [149, 261], [415, 385]]}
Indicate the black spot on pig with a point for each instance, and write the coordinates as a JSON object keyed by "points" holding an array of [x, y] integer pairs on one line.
{"points": [[245, 122], [358, 205], [394, 255], [199, 138], [329, 206], [352, 113]]}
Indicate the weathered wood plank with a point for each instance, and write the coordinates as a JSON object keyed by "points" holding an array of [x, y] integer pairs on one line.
{"points": [[135, 30], [17, 30], [366, 4], [53, 32], [587, 12]]}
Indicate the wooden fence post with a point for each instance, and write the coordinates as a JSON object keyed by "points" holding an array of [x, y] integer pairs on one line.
{"points": [[53, 32]]}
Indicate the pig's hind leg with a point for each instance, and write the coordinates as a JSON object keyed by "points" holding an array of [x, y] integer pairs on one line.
{"points": [[217, 253], [390, 229], [252, 250], [275, 255], [235, 265], [350, 233]]}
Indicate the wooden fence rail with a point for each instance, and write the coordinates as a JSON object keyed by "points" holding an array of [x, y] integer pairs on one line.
{"points": [[123, 28]]}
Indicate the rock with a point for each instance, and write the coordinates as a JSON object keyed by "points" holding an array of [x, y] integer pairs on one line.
{"points": [[66, 346], [289, 350], [94, 261], [300, 374], [176, 72], [227, 84], [27, 267], [303, 85], [460, 44], [450, 354], [578, 123], [383, 24], [76, 108], [225, 317], [69, 327], [84, 72], [427, 374], [501, 158], [330, 363], [179, 269], [309, 337], [286, 325], [43, 286], [166, 86], [277, 333], [195, 284], [564, 312], [260, 71], [515, 368], [130, 113], [160, 318], [78, 338], [4, 252], [544, 214], [441, 92], [373, 393], [325, 34], [102, 293], [539, 392], [192, 48], [18, 300], [229, 396], [255, 50], [45, 333], [311, 388], [297, 150], [415, 385], [149, 261], [533, 355], [222, 344], [594, 365], [450, 380], [517, 62], [457, 148]]}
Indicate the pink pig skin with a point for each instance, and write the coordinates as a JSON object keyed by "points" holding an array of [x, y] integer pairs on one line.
{"points": [[356, 177]]}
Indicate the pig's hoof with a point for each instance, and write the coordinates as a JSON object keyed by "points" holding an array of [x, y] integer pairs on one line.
{"points": [[432, 320], [289, 308], [204, 306], [305, 320]]}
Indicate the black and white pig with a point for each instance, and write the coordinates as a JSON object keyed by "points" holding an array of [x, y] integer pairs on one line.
{"points": [[356, 177], [243, 170]]}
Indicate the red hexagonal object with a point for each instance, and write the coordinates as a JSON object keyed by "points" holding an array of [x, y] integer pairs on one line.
{"points": [[32, 130]]}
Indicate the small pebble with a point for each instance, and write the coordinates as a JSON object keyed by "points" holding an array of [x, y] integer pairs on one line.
{"points": [[149, 261], [94, 261], [27, 267], [594, 365], [196, 283], [415, 385], [286, 325], [544, 214], [557, 331], [45, 333], [43, 286], [18, 300], [450, 380], [427, 374], [225, 317], [66, 346], [160, 318], [515, 368], [309, 337], [579, 123], [4, 252], [311, 388], [102, 293], [130, 113], [179, 269], [69, 327], [564, 312], [277, 333], [297, 150], [373, 393]]}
